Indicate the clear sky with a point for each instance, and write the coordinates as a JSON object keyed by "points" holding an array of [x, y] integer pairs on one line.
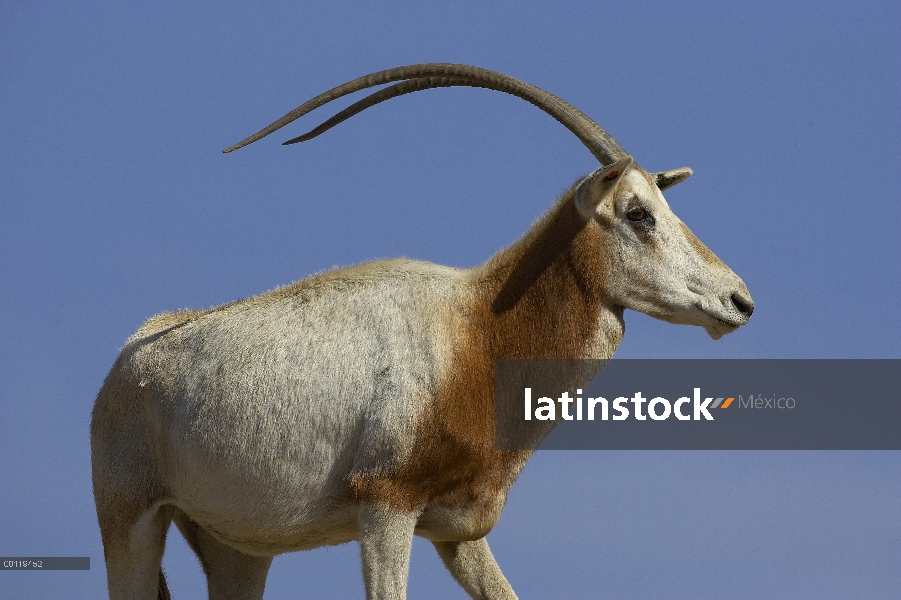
{"points": [[116, 204]]}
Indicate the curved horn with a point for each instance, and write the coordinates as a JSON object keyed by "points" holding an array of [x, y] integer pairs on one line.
{"points": [[398, 89], [426, 76]]}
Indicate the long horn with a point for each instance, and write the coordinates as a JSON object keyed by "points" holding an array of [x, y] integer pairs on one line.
{"points": [[398, 89], [426, 76]]}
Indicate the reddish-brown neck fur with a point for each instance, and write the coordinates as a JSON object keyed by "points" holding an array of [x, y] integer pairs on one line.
{"points": [[541, 297]]}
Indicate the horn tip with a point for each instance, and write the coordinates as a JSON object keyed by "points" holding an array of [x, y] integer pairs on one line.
{"points": [[234, 147]]}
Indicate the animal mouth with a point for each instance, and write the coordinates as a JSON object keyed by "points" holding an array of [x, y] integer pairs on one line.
{"points": [[726, 323], [715, 325], [722, 321]]}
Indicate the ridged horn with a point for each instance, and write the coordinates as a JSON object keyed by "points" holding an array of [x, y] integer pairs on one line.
{"points": [[415, 78]]}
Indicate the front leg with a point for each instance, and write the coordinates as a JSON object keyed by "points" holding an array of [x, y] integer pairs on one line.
{"points": [[386, 536], [474, 568]]}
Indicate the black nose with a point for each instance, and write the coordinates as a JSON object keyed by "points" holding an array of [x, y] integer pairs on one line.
{"points": [[744, 305]]}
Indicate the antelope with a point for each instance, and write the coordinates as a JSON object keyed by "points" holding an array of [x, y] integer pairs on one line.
{"points": [[357, 404]]}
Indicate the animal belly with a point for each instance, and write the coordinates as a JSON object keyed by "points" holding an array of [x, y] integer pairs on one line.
{"points": [[258, 537], [266, 510], [263, 493]]}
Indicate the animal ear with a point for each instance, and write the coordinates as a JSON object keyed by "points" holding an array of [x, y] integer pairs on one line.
{"points": [[667, 179], [600, 184]]}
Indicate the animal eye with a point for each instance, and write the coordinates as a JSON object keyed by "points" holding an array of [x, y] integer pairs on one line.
{"points": [[637, 214]]}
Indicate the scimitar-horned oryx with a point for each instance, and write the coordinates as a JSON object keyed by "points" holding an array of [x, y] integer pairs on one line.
{"points": [[358, 404]]}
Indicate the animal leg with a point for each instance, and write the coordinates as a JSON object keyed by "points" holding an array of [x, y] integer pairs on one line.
{"points": [[474, 568], [230, 574], [134, 554], [386, 537]]}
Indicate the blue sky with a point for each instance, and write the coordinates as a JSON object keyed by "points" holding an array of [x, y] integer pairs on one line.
{"points": [[116, 204]]}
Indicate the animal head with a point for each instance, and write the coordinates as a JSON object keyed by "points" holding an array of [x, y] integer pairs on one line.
{"points": [[654, 263]]}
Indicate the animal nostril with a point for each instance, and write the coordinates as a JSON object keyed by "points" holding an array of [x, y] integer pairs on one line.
{"points": [[745, 307]]}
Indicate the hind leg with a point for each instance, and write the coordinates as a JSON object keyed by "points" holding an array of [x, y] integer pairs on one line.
{"points": [[230, 574], [134, 551]]}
